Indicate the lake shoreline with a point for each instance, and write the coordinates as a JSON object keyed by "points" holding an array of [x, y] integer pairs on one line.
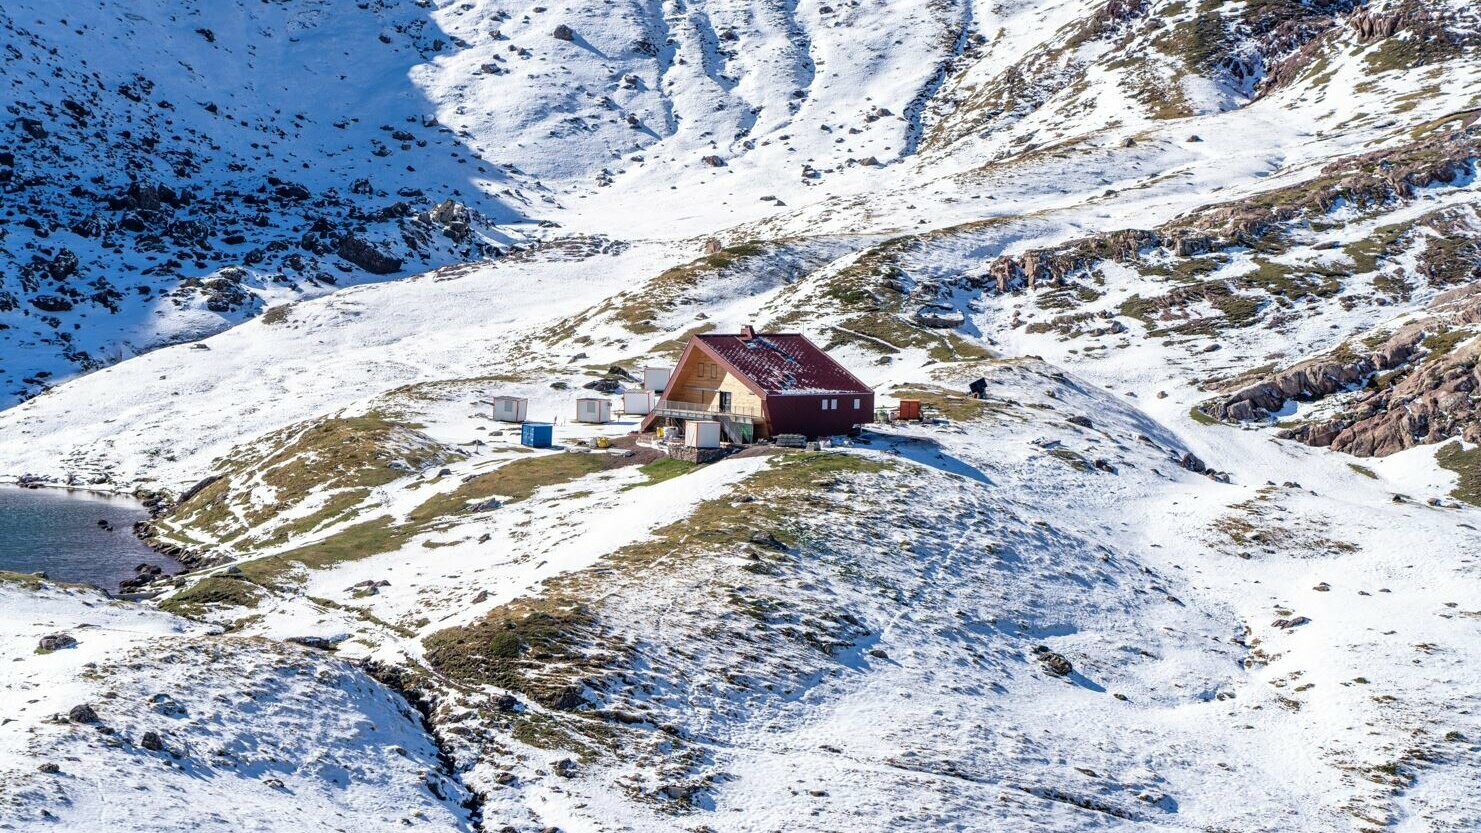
{"points": [[167, 561]]}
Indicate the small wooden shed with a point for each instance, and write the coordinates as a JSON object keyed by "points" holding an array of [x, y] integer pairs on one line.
{"points": [[592, 409], [510, 408], [637, 402]]}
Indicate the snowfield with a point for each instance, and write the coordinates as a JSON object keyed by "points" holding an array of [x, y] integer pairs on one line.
{"points": [[1080, 602], [247, 733]]}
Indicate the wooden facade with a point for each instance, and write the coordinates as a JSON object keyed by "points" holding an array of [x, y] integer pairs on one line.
{"points": [[761, 385]]}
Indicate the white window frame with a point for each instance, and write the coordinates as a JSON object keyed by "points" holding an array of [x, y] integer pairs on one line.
{"points": [[856, 404]]}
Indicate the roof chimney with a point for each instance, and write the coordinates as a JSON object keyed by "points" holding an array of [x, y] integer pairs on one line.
{"points": [[747, 333]]}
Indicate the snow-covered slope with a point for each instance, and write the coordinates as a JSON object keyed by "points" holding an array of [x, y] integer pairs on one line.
{"points": [[1081, 603], [151, 722]]}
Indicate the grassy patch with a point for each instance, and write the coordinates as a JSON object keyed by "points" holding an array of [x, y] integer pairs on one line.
{"points": [[517, 480], [889, 333], [276, 315], [1197, 415], [665, 469], [1364, 471], [1442, 342], [1074, 459], [1467, 464], [674, 347], [31, 581], [358, 541], [638, 310], [525, 646], [213, 592], [346, 457]]}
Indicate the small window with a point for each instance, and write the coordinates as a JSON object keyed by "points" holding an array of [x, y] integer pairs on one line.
{"points": [[833, 403], [825, 404], [856, 404]]}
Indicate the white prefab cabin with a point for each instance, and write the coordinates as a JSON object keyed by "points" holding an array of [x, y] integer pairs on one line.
{"points": [[656, 379], [594, 410], [637, 402], [510, 408], [702, 433]]}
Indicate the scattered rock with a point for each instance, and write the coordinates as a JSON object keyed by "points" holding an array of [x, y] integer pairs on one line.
{"points": [[1293, 622], [82, 713], [939, 316], [166, 705], [768, 540], [152, 742], [1054, 663], [564, 32], [322, 643], [57, 642]]}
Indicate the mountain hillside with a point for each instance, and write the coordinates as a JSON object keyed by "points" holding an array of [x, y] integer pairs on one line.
{"points": [[1201, 555]]}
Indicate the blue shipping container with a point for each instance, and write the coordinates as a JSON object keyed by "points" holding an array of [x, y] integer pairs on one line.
{"points": [[536, 434]]}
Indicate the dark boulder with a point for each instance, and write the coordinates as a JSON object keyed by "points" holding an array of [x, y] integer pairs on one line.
{"points": [[1054, 663], [366, 256], [57, 641], [82, 713], [51, 303]]}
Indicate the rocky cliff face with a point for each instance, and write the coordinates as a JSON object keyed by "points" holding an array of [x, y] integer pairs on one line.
{"points": [[1421, 385]]}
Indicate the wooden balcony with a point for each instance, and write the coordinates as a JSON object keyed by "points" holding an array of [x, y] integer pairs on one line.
{"points": [[682, 409]]}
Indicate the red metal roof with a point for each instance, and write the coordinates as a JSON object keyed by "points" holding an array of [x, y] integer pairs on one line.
{"points": [[782, 364]]}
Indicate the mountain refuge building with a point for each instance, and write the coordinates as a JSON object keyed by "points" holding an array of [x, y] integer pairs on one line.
{"points": [[761, 385]]}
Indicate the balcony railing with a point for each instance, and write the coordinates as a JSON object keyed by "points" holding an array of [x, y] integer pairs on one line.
{"points": [[684, 409]]}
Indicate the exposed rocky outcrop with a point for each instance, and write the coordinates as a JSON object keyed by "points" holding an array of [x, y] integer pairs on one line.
{"points": [[1370, 25], [1364, 181], [1420, 386], [1429, 29], [1431, 403], [367, 256]]}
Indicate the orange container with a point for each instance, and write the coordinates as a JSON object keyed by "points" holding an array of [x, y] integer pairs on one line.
{"points": [[909, 409]]}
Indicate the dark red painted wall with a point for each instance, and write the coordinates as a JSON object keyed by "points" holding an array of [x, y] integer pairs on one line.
{"points": [[805, 414]]}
